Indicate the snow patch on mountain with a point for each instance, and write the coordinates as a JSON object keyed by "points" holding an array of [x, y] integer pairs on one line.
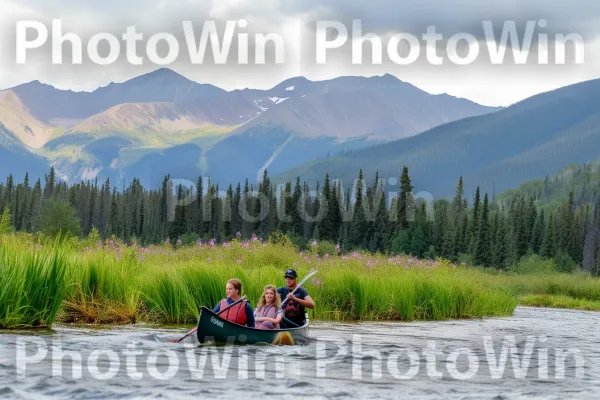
{"points": [[278, 100]]}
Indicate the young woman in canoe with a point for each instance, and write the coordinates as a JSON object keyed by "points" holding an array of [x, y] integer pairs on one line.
{"points": [[268, 312], [241, 313]]}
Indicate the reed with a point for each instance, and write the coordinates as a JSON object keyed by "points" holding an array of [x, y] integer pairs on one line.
{"points": [[101, 288], [111, 283], [32, 284]]}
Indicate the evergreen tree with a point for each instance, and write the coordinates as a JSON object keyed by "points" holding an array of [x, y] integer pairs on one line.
{"points": [[404, 200], [500, 248], [297, 220], [548, 248], [328, 229], [178, 226], [235, 213], [474, 224], [359, 225], [483, 246], [381, 220], [538, 233]]}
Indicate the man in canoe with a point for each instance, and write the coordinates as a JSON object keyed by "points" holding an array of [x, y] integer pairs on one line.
{"points": [[240, 313], [294, 309]]}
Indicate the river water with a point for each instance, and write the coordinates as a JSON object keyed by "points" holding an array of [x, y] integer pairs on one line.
{"points": [[537, 353]]}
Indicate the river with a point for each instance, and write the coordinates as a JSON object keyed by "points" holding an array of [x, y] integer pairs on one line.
{"points": [[537, 353]]}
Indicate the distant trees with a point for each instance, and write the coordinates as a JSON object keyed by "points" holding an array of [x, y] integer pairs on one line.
{"points": [[491, 234]]}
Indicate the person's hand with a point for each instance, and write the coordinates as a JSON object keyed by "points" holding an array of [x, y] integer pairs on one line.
{"points": [[291, 297]]}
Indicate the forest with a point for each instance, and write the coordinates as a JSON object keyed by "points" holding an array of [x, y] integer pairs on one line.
{"points": [[482, 232]]}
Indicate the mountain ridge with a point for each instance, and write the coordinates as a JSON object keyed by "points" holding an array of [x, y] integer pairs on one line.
{"points": [[293, 122], [524, 141]]}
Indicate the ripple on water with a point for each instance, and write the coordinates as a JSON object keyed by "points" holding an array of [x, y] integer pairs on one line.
{"points": [[562, 328]]}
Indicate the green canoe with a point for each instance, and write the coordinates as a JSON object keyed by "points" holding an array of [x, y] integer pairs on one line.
{"points": [[213, 328]]}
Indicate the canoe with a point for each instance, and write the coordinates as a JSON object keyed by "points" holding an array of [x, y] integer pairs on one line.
{"points": [[213, 328]]}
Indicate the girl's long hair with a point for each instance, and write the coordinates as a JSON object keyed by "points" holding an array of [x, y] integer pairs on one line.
{"points": [[263, 301]]}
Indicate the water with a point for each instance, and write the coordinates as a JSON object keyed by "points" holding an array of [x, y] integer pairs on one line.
{"points": [[330, 367]]}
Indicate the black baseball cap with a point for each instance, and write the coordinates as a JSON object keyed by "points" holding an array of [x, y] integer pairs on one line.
{"points": [[290, 273]]}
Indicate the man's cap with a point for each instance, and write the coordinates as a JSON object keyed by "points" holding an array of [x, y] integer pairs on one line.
{"points": [[290, 273]]}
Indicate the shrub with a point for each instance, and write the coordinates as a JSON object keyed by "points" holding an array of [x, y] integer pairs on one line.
{"points": [[564, 263], [326, 247], [534, 265], [5, 225], [59, 219]]}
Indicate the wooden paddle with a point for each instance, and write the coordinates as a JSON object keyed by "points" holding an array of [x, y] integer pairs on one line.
{"points": [[194, 329]]}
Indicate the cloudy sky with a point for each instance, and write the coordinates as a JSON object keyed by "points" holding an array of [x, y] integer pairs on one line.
{"points": [[295, 21]]}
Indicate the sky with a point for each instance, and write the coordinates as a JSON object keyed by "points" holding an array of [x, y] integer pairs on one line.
{"points": [[295, 21]]}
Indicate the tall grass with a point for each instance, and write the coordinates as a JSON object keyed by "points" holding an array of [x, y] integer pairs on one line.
{"points": [[111, 283], [101, 288], [32, 284]]}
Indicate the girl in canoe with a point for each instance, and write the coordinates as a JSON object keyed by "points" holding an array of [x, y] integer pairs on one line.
{"points": [[241, 313], [268, 312]]}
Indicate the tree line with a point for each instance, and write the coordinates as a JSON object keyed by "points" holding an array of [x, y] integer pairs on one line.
{"points": [[485, 233]]}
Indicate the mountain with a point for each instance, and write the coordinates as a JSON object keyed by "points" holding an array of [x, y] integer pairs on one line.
{"points": [[15, 158], [17, 118], [383, 107], [138, 127], [303, 120], [497, 151]]}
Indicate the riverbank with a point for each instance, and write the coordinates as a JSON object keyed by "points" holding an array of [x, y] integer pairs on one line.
{"points": [[44, 282]]}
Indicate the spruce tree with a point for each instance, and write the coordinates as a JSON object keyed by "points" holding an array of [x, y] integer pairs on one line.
{"points": [[548, 249], [499, 247], [404, 200], [358, 226], [483, 246], [474, 224], [381, 221], [297, 218], [326, 225], [538, 233]]}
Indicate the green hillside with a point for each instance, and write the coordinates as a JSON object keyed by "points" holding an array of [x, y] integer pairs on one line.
{"points": [[498, 151], [583, 180]]}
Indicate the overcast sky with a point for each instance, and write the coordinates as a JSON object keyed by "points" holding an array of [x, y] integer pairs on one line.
{"points": [[295, 20]]}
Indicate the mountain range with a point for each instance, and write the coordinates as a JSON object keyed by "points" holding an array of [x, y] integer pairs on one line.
{"points": [[498, 151], [163, 123]]}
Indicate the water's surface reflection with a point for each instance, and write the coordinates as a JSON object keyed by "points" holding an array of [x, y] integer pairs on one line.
{"points": [[454, 359]]}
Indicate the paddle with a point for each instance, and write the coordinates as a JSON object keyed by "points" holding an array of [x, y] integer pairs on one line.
{"points": [[294, 291], [194, 329]]}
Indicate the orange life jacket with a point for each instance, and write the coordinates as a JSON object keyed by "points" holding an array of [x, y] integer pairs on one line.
{"points": [[236, 313]]}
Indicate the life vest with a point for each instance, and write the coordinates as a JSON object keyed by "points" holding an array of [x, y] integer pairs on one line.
{"points": [[267, 311], [236, 313]]}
